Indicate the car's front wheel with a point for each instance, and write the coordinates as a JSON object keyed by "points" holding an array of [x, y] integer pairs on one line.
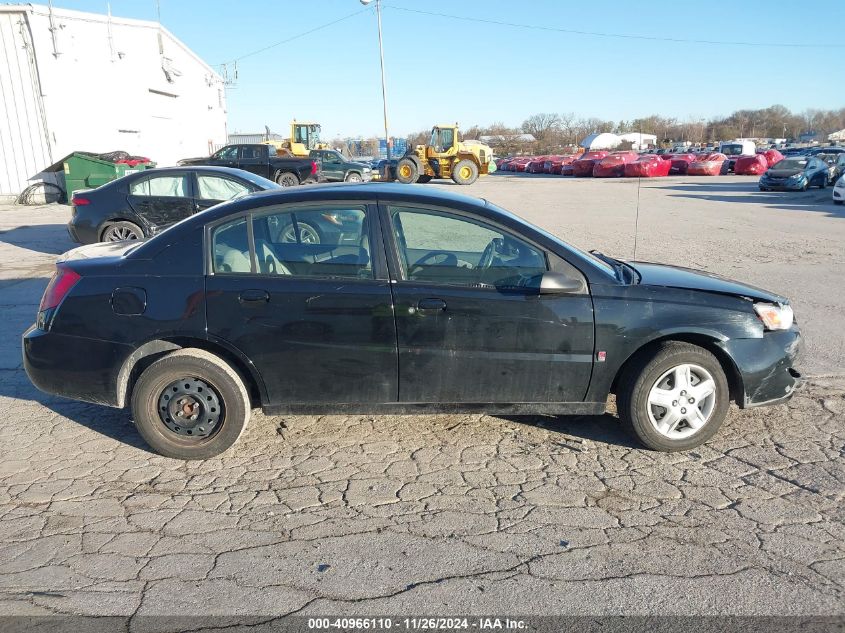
{"points": [[354, 177], [190, 404], [674, 398]]}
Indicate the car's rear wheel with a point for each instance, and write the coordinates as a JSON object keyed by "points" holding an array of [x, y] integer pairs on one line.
{"points": [[190, 404], [308, 234], [120, 231], [465, 172], [287, 179], [674, 398]]}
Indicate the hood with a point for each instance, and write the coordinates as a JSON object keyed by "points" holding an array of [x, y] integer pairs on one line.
{"points": [[783, 173], [677, 277], [99, 250]]}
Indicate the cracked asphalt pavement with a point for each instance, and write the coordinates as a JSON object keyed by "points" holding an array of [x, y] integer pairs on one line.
{"points": [[446, 514]]}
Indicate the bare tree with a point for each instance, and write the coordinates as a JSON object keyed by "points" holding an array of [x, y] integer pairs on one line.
{"points": [[540, 125]]}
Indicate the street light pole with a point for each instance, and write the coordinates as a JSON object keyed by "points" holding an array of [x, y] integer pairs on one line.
{"points": [[383, 84]]}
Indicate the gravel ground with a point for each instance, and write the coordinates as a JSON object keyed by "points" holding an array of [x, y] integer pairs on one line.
{"points": [[440, 515]]}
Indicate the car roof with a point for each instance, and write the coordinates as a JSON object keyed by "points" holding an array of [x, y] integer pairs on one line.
{"points": [[232, 171]]}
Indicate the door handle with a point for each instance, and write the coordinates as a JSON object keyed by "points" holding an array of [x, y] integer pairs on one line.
{"points": [[254, 296], [431, 305]]}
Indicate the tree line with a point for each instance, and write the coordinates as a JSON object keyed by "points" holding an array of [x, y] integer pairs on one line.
{"points": [[554, 131]]}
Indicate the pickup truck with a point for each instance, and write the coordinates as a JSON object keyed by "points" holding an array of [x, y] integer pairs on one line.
{"points": [[335, 168], [261, 160]]}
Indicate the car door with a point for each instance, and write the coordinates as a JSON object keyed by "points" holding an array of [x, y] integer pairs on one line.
{"points": [[225, 157], [314, 316], [213, 189], [254, 158], [162, 199], [471, 324], [331, 167]]}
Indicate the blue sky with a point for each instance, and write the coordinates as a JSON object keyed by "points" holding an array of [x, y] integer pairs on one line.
{"points": [[443, 70]]}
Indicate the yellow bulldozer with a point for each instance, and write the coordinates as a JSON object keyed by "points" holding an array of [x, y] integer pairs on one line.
{"points": [[445, 156], [304, 136]]}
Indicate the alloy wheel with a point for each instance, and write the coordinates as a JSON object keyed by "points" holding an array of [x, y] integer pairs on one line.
{"points": [[119, 234]]}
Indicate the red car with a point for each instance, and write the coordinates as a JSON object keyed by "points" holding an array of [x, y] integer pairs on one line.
{"points": [[557, 163], [536, 165], [681, 162], [772, 156], [707, 164], [648, 166], [583, 166], [519, 164], [751, 165], [613, 166]]}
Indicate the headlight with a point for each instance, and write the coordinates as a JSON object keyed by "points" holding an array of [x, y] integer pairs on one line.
{"points": [[775, 316]]}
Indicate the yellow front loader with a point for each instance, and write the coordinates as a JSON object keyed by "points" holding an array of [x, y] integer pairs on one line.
{"points": [[304, 136], [445, 156]]}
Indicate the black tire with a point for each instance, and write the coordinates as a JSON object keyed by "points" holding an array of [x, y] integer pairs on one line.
{"points": [[838, 201], [423, 179], [407, 171], [287, 179], [824, 182], [119, 231], [218, 379], [642, 374], [465, 172], [353, 176]]}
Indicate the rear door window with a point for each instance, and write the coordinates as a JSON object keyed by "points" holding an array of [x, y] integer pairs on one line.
{"points": [[171, 186]]}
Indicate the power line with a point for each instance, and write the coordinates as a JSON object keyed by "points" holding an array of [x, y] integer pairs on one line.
{"points": [[296, 37], [613, 35]]}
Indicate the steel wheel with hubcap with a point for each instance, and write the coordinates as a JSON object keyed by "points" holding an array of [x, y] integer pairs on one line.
{"points": [[681, 401], [673, 396]]}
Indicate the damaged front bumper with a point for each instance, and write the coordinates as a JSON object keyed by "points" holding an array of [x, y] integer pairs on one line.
{"points": [[767, 367]]}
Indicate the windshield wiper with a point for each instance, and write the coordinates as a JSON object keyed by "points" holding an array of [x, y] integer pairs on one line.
{"points": [[618, 267]]}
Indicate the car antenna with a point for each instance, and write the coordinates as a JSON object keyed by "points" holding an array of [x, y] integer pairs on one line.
{"points": [[637, 216]]}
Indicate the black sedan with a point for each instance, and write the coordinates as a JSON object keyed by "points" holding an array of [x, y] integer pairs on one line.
{"points": [[796, 173], [424, 301], [142, 204]]}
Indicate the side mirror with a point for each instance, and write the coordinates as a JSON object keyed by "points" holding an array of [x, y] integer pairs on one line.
{"points": [[554, 283]]}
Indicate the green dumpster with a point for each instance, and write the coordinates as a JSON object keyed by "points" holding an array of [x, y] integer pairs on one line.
{"points": [[85, 171]]}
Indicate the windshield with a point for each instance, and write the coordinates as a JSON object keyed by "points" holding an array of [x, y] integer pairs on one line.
{"points": [[792, 163], [731, 150]]}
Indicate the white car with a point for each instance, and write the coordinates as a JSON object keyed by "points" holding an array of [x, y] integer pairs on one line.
{"points": [[839, 191]]}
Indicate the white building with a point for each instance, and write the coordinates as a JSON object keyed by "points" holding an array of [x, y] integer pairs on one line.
{"points": [[639, 140], [74, 81], [600, 140]]}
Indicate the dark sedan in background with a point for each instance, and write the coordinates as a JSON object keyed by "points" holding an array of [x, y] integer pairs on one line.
{"points": [[421, 300], [142, 204], [796, 173]]}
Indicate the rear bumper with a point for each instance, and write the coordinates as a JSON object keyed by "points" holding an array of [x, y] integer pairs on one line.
{"points": [[767, 367], [73, 367], [82, 231]]}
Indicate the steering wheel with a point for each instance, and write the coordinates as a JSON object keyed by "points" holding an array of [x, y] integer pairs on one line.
{"points": [[487, 255], [433, 258]]}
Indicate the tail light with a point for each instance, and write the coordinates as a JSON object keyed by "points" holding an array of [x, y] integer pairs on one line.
{"points": [[60, 284], [79, 202], [313, 167]]}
